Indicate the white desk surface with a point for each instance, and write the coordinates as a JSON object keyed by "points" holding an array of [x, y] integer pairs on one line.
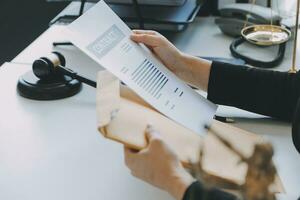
{"points": [[84, 165], [52, 150]]}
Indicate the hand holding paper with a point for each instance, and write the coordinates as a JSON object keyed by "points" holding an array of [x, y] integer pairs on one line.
{"points": [[102, 35], [177, 111]]}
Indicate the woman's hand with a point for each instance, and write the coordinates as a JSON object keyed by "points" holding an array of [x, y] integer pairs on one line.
{"points": [[159, 166], [192, 70], [162, 48]]}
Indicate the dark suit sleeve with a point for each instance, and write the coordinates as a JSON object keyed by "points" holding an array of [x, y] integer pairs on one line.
{"points": [[264, 92], [196, 191]]}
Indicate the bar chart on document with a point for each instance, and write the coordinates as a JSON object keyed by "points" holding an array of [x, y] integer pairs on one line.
{"points": [[137, 67], [140, 71]]}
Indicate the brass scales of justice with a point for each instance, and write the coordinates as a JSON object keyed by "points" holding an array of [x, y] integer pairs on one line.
{"points": [[270, 34]]}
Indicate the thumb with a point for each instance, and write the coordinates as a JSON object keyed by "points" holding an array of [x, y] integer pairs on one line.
{"points": [[151, 133], [148, 40]]}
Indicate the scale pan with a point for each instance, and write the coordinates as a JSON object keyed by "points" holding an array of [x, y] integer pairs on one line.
{"points": [[266, 35]]}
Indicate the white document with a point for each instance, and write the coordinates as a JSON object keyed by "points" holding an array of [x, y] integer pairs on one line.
{"points": [[103, 36]]}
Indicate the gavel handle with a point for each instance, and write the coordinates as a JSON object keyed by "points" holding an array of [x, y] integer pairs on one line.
{"points": [[85, 80], [71, 73]]}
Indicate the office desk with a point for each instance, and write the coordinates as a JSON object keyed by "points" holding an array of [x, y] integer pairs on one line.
{"points": [[52, 150], [201, 38]]}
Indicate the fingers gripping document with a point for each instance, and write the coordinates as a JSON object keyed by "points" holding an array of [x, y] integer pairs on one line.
{"points": [[104, 37]]}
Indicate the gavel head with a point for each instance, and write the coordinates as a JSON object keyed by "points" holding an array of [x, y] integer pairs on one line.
{"points": [[46, 82], [44, 68]]}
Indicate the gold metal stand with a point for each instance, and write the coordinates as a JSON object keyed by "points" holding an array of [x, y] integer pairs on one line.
{"points": [[265, 34], [293, 69], [270, 34]]}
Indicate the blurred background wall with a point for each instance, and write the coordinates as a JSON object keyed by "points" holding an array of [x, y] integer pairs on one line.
{"points": [[21, 21]]}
